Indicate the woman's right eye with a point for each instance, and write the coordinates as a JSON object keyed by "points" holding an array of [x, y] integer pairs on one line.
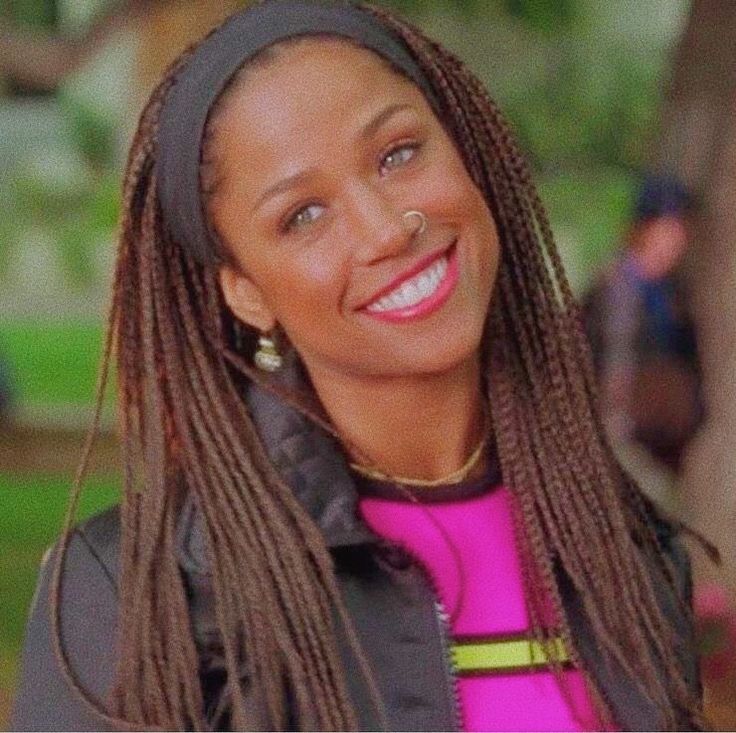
{"points": [[303, 217]]}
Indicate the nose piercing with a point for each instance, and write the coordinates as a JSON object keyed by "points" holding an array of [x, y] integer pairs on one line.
{"points": [[422, 219]]}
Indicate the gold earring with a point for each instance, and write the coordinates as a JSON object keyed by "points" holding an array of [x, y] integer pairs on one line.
{"points": [[267, 357]]}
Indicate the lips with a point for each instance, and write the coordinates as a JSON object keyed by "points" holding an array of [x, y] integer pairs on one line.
{"points": [[412, 291], [417, 292]]}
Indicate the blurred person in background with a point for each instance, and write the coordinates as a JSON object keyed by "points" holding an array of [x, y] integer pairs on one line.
{"points": [[643, 339]]}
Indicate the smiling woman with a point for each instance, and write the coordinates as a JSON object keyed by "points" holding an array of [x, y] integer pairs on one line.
{"points": [[330, 255], [366, 485]]}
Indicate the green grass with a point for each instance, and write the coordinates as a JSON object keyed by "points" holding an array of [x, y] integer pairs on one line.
{"points": [[54, 363], [31, 513]]}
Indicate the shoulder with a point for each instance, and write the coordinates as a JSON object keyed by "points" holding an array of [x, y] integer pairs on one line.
{"points": [[88, 604], [101, 537], [90, 562], [90, 565]]}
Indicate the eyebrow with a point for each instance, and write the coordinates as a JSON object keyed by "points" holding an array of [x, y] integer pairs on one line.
{"points": [[383, 116], [283, 185], [369, 129]]}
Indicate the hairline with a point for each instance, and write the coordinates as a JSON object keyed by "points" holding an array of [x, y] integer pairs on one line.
{"points": [[261, 60]]}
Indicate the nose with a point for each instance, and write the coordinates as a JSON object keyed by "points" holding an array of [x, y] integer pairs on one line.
{"points": [[381, 227]]}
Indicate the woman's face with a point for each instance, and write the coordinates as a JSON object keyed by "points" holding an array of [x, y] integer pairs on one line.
{"points": [[318, 155]]}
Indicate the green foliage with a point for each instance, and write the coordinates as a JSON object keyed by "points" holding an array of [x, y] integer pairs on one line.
{"points": [[546, 16], [30, 13], [53, 363], [588, 210], [93, 131], [75, 204], [466, 8], [588, 109], [62, 184]]}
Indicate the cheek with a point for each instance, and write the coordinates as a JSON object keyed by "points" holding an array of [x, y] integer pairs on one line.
{"points": [[473, 212], [487, 252], [298, 287], [456, 191], [455, 195], [448, 178]]}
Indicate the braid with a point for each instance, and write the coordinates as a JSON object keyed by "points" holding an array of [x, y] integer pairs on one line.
{"points": [[186, 431], [273, 602]]}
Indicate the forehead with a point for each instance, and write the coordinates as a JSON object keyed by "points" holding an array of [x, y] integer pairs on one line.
{"points": [[303, 85]]}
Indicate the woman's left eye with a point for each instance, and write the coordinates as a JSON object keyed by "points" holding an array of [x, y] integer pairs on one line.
{"points": [[303, 217], [398, 156]]}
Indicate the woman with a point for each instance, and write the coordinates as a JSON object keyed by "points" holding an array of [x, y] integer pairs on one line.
{"points": [[339, 319]]}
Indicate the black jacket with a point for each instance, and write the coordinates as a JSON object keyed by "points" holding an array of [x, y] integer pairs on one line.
{"points": [[392, 605]]}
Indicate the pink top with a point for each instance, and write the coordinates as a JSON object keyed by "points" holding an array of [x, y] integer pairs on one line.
{"points": [[484, 599]]}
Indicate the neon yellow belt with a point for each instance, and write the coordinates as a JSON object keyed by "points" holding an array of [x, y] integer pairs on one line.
{"points": [[503, 654]]}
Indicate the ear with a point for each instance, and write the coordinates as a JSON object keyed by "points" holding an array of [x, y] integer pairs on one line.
{"points": [[245, 300]]}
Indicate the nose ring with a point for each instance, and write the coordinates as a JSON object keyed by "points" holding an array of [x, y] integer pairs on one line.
{"points": [[422, 220]]}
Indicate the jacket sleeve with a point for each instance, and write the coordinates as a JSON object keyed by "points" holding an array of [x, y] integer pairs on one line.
{"points": [[44, 699]]}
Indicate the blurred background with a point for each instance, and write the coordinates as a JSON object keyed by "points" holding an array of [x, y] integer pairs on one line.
{"points": [[626, 111]]}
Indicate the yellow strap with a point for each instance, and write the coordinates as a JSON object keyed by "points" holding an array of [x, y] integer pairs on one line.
{"points": [[503, 654]]}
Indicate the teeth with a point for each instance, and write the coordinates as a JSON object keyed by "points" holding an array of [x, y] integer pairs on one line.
{"points": [[413, 291]]}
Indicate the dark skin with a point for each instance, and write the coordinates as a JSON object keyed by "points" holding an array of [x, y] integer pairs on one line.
{"points": [[338, 148]]}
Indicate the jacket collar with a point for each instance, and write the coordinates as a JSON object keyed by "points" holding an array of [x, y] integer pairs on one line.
{"points": [[307, 459], [310, 462]]}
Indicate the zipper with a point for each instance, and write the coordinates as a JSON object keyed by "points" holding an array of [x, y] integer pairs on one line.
{"points": [[443, 619], [443, 627]]}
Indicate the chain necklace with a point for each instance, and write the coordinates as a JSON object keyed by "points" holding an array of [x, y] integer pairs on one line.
{"points": [[455, 477]]}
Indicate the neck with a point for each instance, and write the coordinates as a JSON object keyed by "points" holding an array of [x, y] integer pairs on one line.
{"points": [[421, 427]]}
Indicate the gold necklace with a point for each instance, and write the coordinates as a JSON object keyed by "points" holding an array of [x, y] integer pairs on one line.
{"points": [[453, 478]]}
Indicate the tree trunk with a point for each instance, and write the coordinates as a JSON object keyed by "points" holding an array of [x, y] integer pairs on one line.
{"points": [[699, 144]]}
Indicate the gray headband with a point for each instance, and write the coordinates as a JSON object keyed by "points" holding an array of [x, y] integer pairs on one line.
{"points": [[213, 64]]}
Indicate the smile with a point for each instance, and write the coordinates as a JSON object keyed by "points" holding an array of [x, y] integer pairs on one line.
{"points": [[419, 295]]}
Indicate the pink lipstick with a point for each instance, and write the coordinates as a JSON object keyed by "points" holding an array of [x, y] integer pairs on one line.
{"points": [[418, 293]]}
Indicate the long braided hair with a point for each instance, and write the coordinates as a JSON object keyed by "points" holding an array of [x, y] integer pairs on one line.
{"points": [[184, 428]]}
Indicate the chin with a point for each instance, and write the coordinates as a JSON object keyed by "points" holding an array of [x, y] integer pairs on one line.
{"points": [[439, 357]]}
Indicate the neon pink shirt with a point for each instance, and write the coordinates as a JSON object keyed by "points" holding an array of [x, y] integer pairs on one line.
{"points": [[480, 586]]}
